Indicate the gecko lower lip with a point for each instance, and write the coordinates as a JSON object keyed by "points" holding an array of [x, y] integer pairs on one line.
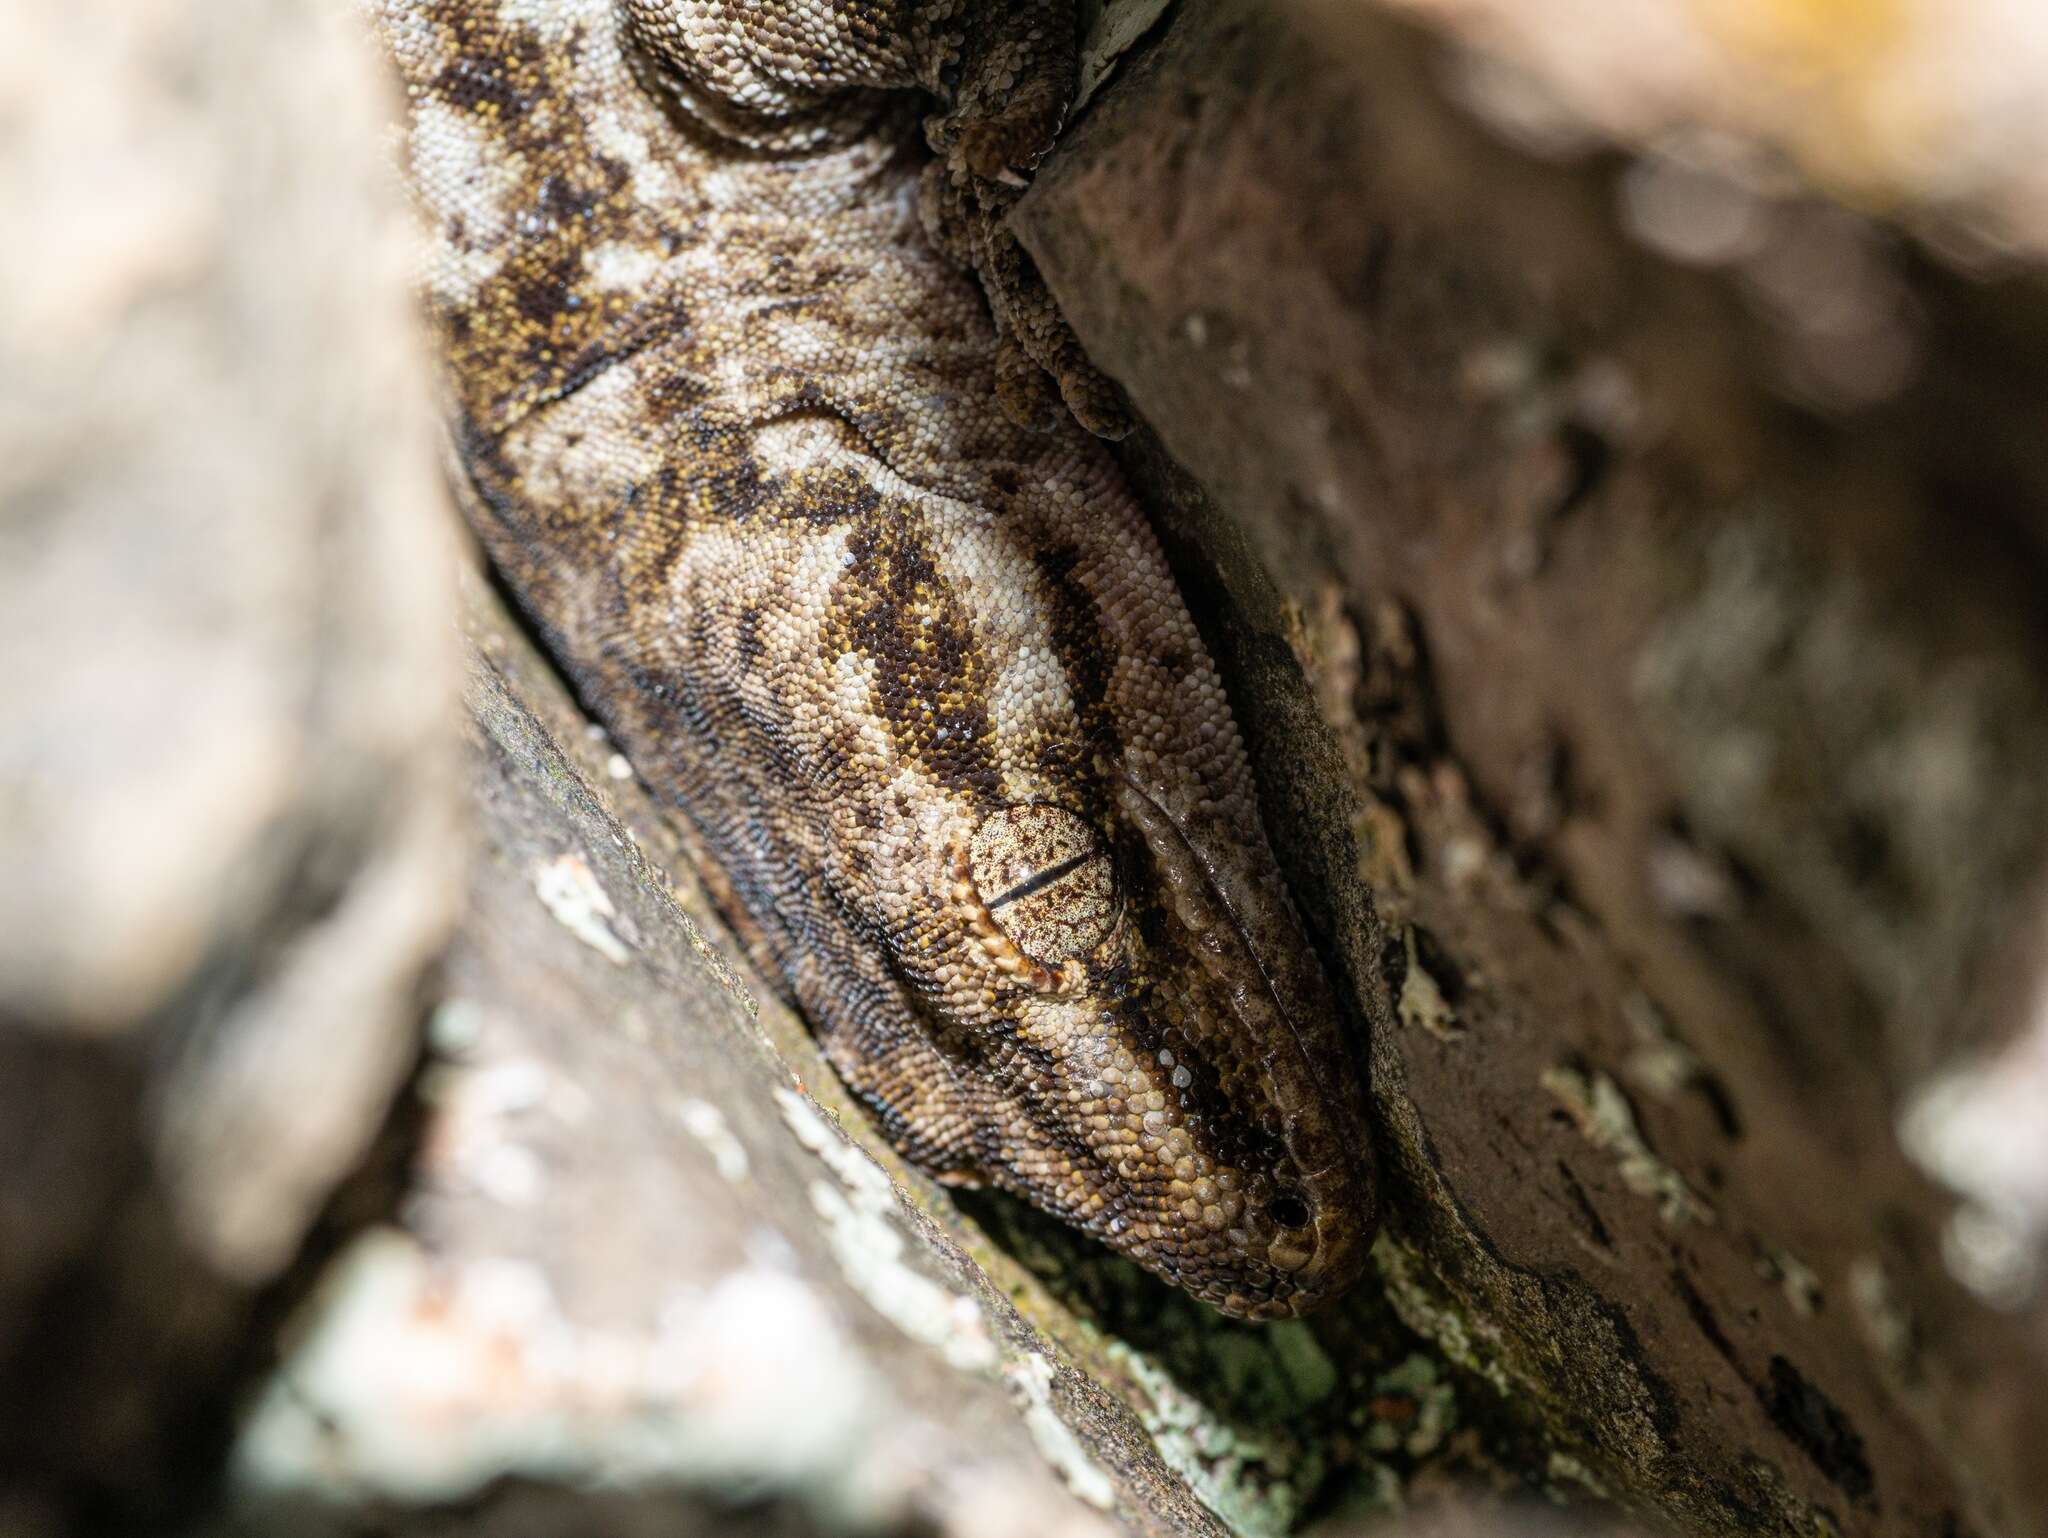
{"points": [[1171, 848]]}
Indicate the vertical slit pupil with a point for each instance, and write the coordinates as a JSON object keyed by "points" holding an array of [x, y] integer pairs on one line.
{"points": [[1043, 879]]}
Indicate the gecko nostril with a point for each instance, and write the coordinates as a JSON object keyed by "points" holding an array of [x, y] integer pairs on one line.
{"points": [[1289, 1210]]}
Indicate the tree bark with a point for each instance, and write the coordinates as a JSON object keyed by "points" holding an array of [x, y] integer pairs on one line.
{"points": [[1680, 685]]}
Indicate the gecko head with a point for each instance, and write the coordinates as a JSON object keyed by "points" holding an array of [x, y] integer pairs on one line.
{"points": [[1169, 1046]]}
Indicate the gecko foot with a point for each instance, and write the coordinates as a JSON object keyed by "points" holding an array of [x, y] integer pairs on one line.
{"points": [[1015, 79]]}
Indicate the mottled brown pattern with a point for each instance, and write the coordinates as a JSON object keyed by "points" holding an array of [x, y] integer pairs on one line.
{"points": [[918, 677]]}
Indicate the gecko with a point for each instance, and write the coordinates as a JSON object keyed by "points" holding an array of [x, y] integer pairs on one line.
{"points": [[778, 441]]}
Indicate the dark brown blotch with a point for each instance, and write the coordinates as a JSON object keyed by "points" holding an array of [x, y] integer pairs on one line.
{"points": [[931, 682], [1081, 643]]}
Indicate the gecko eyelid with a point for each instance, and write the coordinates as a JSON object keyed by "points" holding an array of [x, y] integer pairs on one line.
{"points": [[1044, 876]]}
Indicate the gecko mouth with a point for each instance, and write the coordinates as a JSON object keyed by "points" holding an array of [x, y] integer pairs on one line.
{"points": [[1321, 1206]]}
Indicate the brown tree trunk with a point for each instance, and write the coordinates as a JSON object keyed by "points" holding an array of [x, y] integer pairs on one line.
{"points": [[1679, 645]]}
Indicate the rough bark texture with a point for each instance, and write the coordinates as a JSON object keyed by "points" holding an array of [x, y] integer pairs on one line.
{"points": [[1689, 739]]}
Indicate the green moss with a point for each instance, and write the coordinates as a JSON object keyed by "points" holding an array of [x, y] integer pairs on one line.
{"points": [[1417, 1381]]}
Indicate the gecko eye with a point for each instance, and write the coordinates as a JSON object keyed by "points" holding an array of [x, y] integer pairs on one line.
{"points": [[1045, 876]]}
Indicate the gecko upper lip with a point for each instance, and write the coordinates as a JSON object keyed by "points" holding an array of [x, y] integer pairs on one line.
{"points": [[1326, 1179]]}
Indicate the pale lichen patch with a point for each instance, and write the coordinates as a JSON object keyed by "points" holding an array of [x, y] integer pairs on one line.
{"points": [[569, 891], [1257, 1483], [423, 1380], [860, 1217], [1882, 1318], [1420, 1309], [1978, 1129], [1031, 1377], [1422, 1003], [1794, 1276], [707, 1124], [1662, 1062], [1563, 1468], [1608, 1122]]}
